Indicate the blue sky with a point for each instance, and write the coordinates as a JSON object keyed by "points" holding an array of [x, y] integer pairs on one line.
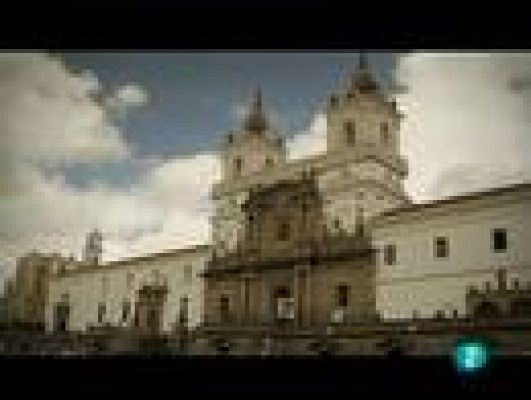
{"points": [[144, 179], [193, 97]]}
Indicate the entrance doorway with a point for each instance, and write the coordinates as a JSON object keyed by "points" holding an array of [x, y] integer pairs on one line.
{"points": [[149, 309], [61, 317]]}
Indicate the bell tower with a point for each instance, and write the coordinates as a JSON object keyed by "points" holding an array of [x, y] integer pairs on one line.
{"points": [[366, 170], [255, 146], [361, 115]]}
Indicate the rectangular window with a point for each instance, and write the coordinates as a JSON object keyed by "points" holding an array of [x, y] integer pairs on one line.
{"points": [[350, 131], [183, 312], [390, 254], [101, 312], [224, 308], [499, 240], [342, 295], [126, 310], [441, 247], [283, 231]]}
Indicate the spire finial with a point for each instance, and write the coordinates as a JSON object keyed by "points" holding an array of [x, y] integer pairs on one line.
{"points": [[256, 120], [258, 97]]}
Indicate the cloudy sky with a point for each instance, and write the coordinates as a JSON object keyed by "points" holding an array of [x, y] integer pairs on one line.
{"points": [[126, 142]]}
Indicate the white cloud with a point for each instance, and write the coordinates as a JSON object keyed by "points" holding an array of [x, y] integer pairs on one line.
{"points": [[129, 95], [462, 115], [239, 111], [168, 208], [459, 109], [476, 177], [311, 141], [49, 114]]}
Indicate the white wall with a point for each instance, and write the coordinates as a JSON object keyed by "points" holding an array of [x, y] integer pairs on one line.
{"points": [[419, 281], [86, 290]]}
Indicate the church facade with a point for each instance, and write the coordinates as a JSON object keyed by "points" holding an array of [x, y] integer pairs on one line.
{"points": [[302, 244]]}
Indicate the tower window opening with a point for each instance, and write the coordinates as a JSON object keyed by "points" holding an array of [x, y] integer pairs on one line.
{"points": [[350, 131], [238, 165]]}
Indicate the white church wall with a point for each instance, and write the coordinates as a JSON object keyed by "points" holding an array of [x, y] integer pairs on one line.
{"points": [[420, 281], [113, 285]]}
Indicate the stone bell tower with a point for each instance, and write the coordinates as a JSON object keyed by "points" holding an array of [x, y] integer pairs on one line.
{"points": [[365, 169], [254, 148]]}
